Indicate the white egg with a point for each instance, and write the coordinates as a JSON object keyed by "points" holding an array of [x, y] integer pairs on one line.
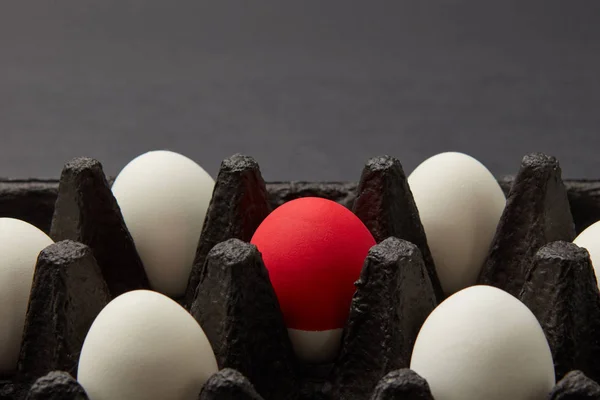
{"points": [[20, 246], [483, 343], [164, 197], [316, 347], [460, 204], [590, 240], [143, 345]]}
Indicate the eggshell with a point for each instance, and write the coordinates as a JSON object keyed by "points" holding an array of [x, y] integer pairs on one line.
{"points": [[143, 345], [164, 197], [483, 343], [314, 250], [20, 246], [316, 347], [460, 204], [590, 240]]}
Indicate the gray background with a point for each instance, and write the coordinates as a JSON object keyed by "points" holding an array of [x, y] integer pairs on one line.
{"points": [[312, 89]]}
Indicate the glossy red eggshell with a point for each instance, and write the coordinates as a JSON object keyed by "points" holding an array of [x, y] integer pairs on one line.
{"points": [[314, 250]]}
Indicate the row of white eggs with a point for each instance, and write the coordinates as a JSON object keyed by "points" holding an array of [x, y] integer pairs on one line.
{"points": [[460, 204]]}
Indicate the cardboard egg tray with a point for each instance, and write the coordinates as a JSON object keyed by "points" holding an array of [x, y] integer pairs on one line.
{"points": [[229, 293]]}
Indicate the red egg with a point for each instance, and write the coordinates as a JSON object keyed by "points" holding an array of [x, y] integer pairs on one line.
{"points": [[314, 250]]}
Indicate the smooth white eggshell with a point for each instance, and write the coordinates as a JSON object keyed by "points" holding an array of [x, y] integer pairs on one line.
{"points": [[20, 246], [164, 197], [460, 204], [316, 347], [483, 343], [590, 240], [145, 346]]}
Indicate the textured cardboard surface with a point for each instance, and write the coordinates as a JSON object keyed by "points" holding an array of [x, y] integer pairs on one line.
{"points": [[239, 204], [402, 384], [237, 307], [67, 294], [537, 212], [56, 386], [393, 298], [561, 291], [86, 211], [386, 206], [576, 386], [228, 384]]}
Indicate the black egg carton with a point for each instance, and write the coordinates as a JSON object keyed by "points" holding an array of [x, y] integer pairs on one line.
{"points": [[229, 293]]}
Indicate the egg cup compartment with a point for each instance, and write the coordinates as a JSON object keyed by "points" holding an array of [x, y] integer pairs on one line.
{"points": [[229, 292]]}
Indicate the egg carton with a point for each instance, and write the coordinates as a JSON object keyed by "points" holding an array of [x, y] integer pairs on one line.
{"points": [[229, 293]]}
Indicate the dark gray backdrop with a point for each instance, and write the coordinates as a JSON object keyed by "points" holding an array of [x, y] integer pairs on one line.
{"points": [[310, 88]]}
